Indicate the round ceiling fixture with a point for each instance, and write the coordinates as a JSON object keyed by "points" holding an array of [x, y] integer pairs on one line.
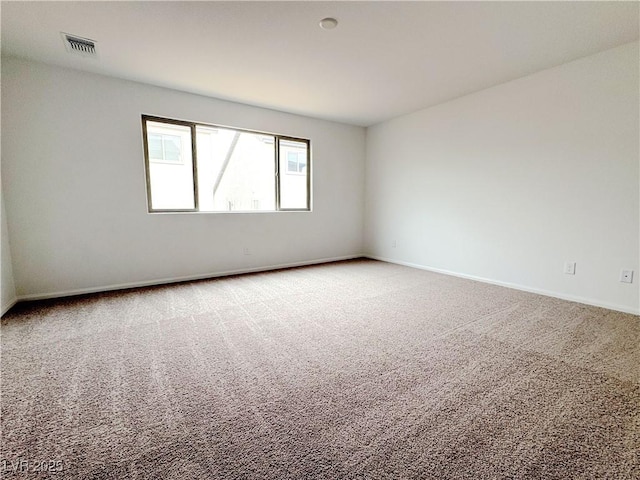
{"points": [[328, 23]]}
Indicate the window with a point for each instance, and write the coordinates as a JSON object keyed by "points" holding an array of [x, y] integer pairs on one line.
{"points": [[207, 168], [296, 162], [170, 166], [165, 148], [294, 158]]}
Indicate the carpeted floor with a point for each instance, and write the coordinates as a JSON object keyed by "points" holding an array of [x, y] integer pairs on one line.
{"points": [[351, 370]]}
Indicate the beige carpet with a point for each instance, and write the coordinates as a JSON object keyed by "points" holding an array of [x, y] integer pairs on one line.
{"points": [[351, 370]]}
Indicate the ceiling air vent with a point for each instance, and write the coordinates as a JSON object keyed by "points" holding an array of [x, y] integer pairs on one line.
{"points": [[79, 45]]}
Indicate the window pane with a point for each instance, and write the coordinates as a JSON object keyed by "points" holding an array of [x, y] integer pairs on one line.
{"points": [[155, 147], [172, 148], [292, 162], [293, 174], [170, 178], [236, 170]]}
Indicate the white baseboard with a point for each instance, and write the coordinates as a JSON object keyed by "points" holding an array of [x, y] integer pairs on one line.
{"points": [[7, 307], [163, 281], [188, 278], [524, 288]]}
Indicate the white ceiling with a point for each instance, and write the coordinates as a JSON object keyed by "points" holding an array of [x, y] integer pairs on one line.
{"points": [[383, 60]]}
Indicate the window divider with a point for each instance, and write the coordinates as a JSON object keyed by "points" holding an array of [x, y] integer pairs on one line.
{"points": [[276, 141], [194, 163]]}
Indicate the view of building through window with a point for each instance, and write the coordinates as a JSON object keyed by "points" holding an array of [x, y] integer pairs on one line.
{"points": [[165, 148], [234, 170]]}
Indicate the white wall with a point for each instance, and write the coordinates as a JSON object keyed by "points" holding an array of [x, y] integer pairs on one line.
{"points": [[508, 183], [7, 288], [503, 185], [74, 186]]}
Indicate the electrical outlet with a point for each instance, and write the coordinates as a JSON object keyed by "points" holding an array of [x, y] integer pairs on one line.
{"points": [[246, 251], [626, 276], [394, 244], [570, 268]]}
